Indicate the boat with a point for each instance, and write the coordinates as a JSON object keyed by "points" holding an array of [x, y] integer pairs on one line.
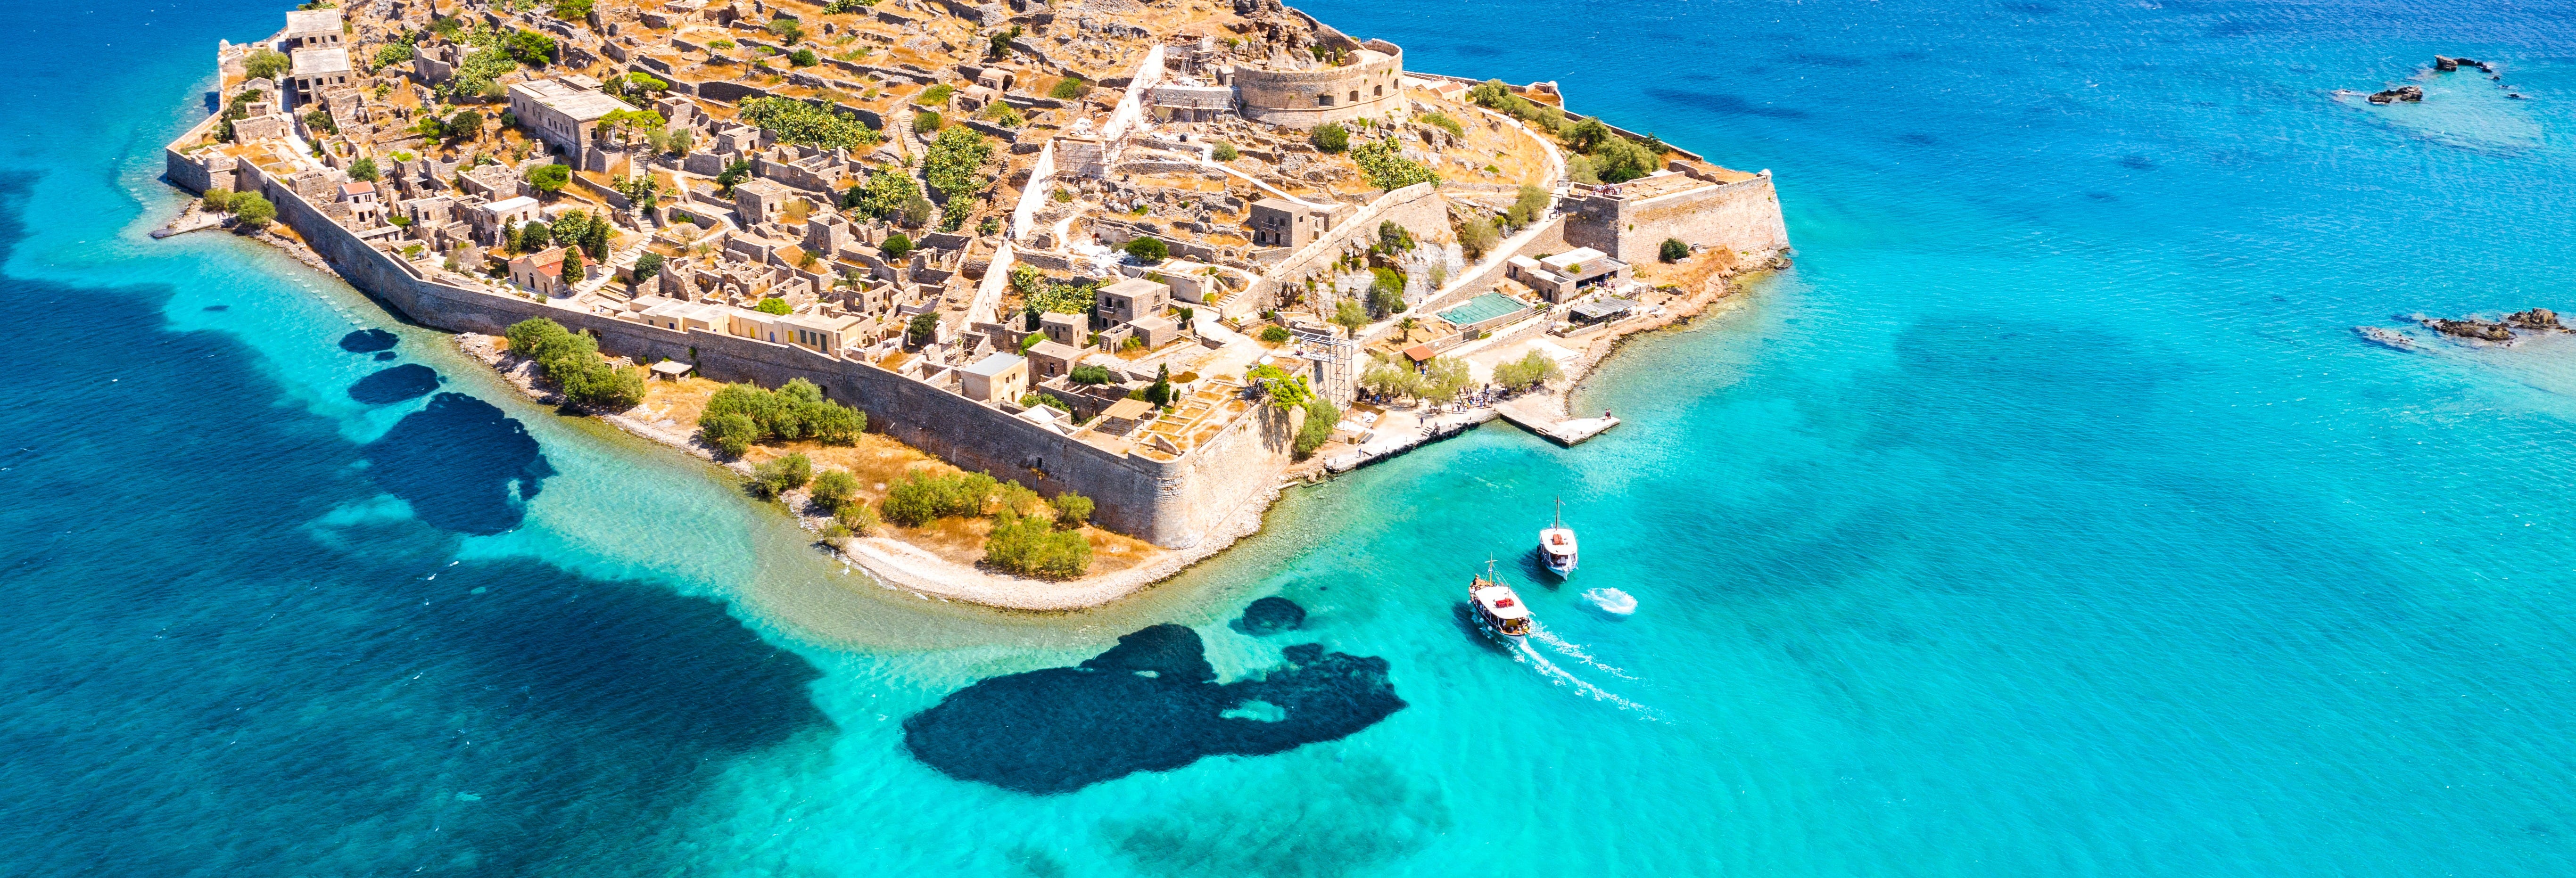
{"points": [[1498, 608], [1556, 544]]}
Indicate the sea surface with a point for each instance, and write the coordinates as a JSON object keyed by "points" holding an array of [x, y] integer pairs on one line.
{"points": [[2048, 518]]}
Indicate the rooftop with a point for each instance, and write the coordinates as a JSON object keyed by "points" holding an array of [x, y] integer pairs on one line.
{"points": [[582, 104], [993, 365], [310, 62], [313, 21]]}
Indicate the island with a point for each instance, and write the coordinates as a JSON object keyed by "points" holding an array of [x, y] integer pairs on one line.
{"points": [[1025, 304]]}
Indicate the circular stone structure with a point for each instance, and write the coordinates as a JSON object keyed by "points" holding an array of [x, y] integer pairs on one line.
{"points": [[1371, 84]]}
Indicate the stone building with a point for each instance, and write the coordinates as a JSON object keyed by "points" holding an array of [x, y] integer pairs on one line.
{"points": [[1699, 207], [561, 112], [314, 71], [1368, 83], [1133, 299], [312, 29], [1279, 222], [997, 378]]}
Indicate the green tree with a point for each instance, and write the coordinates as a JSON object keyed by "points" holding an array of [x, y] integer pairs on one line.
{"points": [[1321, 416], [550, 179], [1619, 160], [1091, 374], [595, 240], [897, 246], [1529, 371], [1277, 334], [265, 63], [1160, 394], [529, 48], [1148, 250], [363, 169], [1072, 510], [733, 433], [572, 10], [1673, 250], [1528, 206], [1224, 152], [923, 330], [1386, 293], [1331, 137], [1478, 237], [218, 199], [788, 30], [571, 266], [1349, 316], [796, 121], [778, 476], [464, 125], [953, 163], [773, 305], [252, 212], [1444, 378], [647, 267], [320, 120], [1588, 135], [803, 58]]}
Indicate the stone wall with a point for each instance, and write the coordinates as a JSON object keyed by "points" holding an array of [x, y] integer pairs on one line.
{"points": [[1742, 216], [1288, 97], [1419, 208], [1171, 504]]}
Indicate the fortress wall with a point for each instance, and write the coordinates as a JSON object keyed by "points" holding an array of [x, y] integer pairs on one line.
{"points": [[1742, 216], [1168, 504], [1287, 97], [1550, 239]]}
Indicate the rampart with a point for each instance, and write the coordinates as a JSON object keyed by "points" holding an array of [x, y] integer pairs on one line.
{"points": [[1419, 208], [1171, 503], [1371, 87], [1743, 215]]}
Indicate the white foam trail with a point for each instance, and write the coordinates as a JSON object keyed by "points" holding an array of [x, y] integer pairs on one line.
{"points": [[1523, 653], [1541, 634]]}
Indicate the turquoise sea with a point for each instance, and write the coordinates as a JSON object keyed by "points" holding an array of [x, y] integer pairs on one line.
{"points": [[2049, 518]]}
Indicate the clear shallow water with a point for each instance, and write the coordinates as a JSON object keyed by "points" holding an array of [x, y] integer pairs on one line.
{"points": [[2047, 519]]}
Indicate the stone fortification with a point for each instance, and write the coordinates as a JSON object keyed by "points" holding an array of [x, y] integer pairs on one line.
{"points": [[1371, 86], [1631, 220], [1172, 503], [1419, 208]]}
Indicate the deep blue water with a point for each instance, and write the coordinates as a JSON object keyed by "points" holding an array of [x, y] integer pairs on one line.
{"points": [[2047, 519]]}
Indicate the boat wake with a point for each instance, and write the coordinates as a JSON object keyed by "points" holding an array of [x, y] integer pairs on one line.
{"points": [[1526, 654], [1611, 602], [1562, 647]]}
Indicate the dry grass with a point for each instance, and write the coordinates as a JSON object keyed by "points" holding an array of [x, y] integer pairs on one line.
{"points": [[1688, 274]]}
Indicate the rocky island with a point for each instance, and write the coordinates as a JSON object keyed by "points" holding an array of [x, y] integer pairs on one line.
{"points": [[1024, 304]]}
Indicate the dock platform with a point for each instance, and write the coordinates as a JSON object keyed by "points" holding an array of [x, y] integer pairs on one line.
{"points": [[1540, 415]]}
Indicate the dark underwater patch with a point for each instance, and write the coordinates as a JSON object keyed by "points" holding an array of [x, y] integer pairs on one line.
{"points": [[1917, 140], [218, 308], [2030, 8], [1271, 615], [1722, 103], [461, 464], [1822, 60], [368, 341], [384, 356], [1477, 50], [1150, 703], [407, 381], [2137, 163]]}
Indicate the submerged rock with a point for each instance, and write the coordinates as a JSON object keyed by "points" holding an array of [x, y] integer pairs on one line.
{"points": [[2386, 337], [1150, 703], [1271, 615], [2406, 93]]}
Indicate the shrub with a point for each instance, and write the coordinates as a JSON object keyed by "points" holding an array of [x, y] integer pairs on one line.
{"points": [[1386, 293], [1350, 316], [219, 200], [935, 96], [265, 63], [1318, 428], [1070, 88], [1673, 250], [796, 121], [833, 488], [1384, 164], [1016, 499], [1091, 374], [1578, 168], [1072, 510], [1148, 249], [1478, 237], [1282, 390], [773, 305], [1588, 135], [774, 477], [796, 410], [923, 330], [789, 30], [954, 160], [803, 58], [647, 266], [572, 362], [550, 178], [1619, 160], [859, 517], [1331, 137], [529, 48], [1277, 334], [572, 10], [1443, 122], [731, 433], [922, 498], [1028, 547], [252, 211], [363, 169], [1034, 399], [1224, 152], [897, 246], [1528, 207]]}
